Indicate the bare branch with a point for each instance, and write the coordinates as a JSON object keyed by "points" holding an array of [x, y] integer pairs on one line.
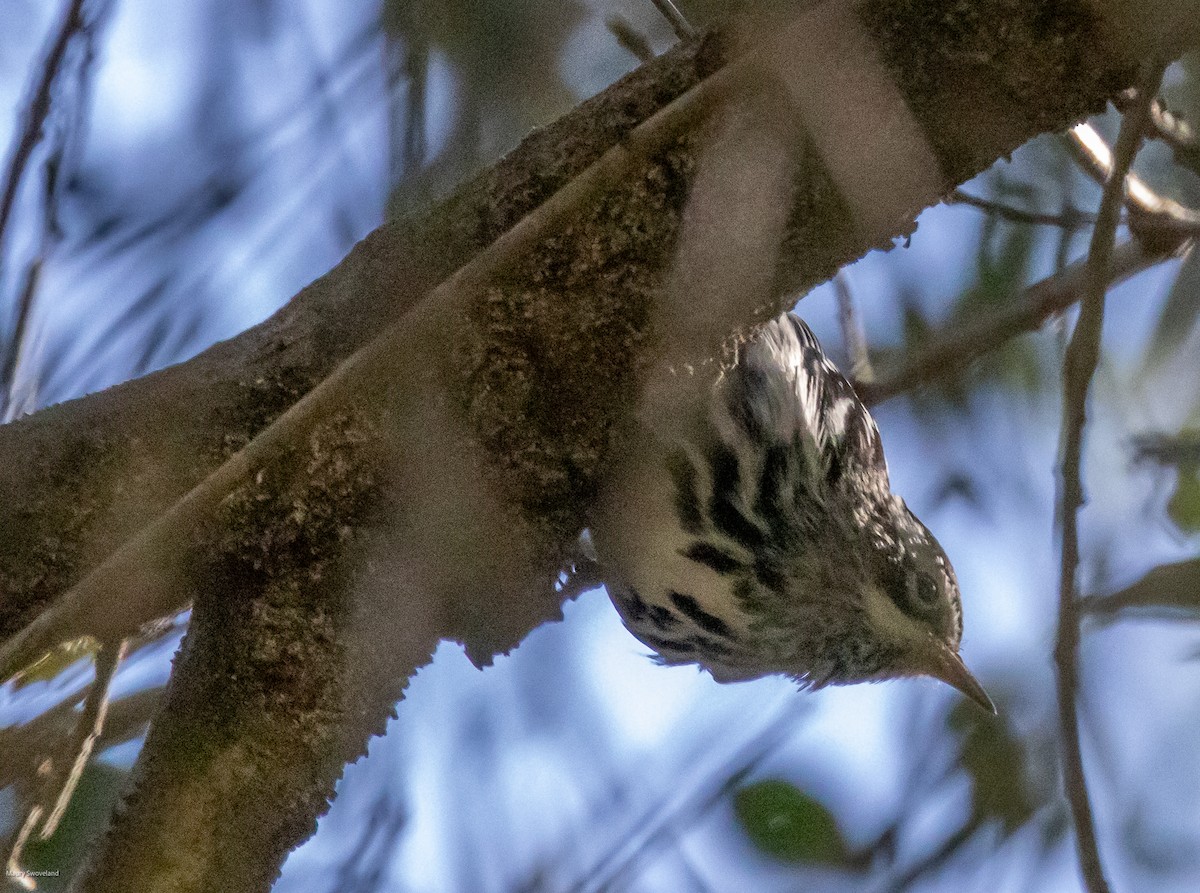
{"points": [[87, 732], [853, 334], [679, 23], [1070, 218], [36, 118], [146, 571], [1082, 358], [950, 351], [38, 111], [1171, 129], [629, 37], [1097, 159]]}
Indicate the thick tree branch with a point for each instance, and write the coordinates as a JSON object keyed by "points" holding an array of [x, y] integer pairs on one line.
{"points": [[476, 426]]}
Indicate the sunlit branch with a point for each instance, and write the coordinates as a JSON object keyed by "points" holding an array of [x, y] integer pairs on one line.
{"points": [[1082, 358], [679, 23], [63, 774], [12, 867], [1170, 128], [1097, 159], [853, 334], [88, 730]]}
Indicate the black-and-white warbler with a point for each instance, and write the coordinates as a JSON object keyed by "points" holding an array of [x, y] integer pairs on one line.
{"points": [[756, 533]]}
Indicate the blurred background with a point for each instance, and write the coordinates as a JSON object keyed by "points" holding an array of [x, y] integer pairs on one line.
{"points": [[201, 161]]}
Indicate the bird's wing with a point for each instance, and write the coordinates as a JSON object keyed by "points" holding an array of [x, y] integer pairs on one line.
{"points": [[785, 385]]}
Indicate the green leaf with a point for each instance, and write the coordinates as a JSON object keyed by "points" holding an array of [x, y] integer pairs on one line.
{"points": [[784, 822], [1184, 507], [995, 759], [1173, 586]]}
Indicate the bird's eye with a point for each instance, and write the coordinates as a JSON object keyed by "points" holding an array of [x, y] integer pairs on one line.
{"points": [[924, 588]]}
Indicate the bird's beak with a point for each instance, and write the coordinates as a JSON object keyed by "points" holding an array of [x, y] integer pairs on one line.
{"points": [[942, 662]]}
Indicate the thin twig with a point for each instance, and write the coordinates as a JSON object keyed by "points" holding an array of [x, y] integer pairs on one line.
{"points": [[1097, 159], [60, 777], [87, 732], [33, 131], [657, 826], [1167, 449], [947, 353], [38, 111], [1172, 129], [1082, 358], [1069, 218], [853, 334], [934, 860], [127, 719], [679, 23], [12, 867], [1168, 127], [629, 37], [60, 136]]}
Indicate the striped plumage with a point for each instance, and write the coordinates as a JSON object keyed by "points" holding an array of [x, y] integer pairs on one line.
{"points": [[751, 530]]}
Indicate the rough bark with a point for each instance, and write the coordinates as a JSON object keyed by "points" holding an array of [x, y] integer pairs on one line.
{"points": [[332, 563]]}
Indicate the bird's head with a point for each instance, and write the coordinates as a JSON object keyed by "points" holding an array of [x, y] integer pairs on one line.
{"points": [[912, 606]]}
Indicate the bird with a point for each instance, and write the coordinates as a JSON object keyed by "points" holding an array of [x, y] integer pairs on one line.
{"points": [[748, 526]]}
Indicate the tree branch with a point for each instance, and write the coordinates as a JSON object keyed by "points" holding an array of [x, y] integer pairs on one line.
{"points": [[853, 335], [679, 23], [1069, 218], [1082, 358], [949, 352], [75, 26], [1143, 202], [37, 111], [485, 408]]}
